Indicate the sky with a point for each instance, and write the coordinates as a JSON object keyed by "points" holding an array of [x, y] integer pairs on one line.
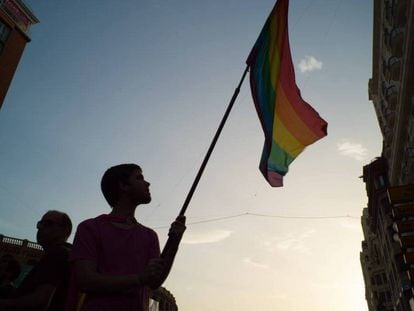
{"points": [[108, 82]]}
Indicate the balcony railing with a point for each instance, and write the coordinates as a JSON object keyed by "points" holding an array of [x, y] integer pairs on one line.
{"points": [[6, 240]]}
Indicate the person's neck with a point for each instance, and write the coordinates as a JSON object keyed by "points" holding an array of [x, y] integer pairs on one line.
{"points": [[124, 210]]}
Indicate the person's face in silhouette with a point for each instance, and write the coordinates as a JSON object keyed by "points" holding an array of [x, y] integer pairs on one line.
{"points": [[137, 188], [50, 229]]}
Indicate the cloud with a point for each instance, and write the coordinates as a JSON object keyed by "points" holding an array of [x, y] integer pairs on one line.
{"points": [[352, 150], [290, 242], [253, 263], [309, 63], [295, 243], [212, 236]]}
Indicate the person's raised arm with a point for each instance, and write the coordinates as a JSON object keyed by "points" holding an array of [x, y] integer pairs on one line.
{"points": [[170, 249]]}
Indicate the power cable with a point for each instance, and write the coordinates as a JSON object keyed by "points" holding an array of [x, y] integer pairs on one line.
{"points": [[263, 215]]}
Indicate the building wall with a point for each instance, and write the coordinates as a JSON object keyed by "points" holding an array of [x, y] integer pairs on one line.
{"points": [[10, 55], [16, 15], [381, 290], [391, 87], [391, 90]]}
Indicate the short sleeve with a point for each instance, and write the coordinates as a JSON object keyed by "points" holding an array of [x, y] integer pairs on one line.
{"points": [[85, 243]]}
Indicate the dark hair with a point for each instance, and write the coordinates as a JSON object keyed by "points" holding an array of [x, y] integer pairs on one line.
{"points": [[112, 178], [66, 222]]}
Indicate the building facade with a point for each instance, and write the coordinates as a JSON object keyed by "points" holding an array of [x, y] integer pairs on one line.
{"points": [[387, 282], [391, 87], [15, 21], [388, 220]]}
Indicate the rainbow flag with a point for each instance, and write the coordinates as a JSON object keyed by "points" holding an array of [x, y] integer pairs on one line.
{"points": [[289, 123]]}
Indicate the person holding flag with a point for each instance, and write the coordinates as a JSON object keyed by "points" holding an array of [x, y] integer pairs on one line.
{"points": [[116, 260]]}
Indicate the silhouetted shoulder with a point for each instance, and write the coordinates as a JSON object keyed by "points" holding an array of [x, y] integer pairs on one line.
{"points": [[149, 230]]}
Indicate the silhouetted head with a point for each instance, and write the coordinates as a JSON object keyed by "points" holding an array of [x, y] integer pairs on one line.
{"points": [[54, 228], [125, 181]]}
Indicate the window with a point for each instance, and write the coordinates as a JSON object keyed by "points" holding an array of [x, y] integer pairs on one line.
{"points": [[384, 278], [378, 279], [4, 34], [380, 182], [382, 297], [388, 294]]}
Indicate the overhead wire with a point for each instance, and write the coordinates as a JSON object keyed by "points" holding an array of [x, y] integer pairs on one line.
{"points": [[209, 220]]}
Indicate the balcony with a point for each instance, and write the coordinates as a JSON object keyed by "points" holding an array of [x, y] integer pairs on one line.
{"points": [[404, 226], [400, 265], [410, 274], [409, 258], [407, 245], [403, 211], [407, 168], [401, 194]]}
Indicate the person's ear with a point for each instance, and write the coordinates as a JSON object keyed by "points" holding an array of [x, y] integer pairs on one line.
{"points": [[124, 185]]}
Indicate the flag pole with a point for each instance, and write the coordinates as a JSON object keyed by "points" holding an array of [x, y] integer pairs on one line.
{"points": [[171, 245], [213, 144]]}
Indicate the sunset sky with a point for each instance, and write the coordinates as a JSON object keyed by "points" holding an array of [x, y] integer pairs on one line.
{"points": [[107, 82]]}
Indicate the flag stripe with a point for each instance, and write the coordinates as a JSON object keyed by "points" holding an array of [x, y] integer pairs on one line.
{"points": [[279, 158], [289, 123], [286, 140], [293, 122], [307, 113], [275, 36]]}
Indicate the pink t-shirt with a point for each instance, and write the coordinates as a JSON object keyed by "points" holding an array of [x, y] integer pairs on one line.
{"points": [[116, 251]]}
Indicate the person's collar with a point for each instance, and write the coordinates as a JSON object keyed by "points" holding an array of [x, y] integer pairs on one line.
{"points": [[118, 219]]}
